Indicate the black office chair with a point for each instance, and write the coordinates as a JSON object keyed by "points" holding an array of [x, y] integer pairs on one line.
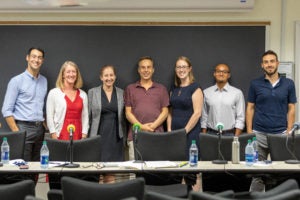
{"points": [[76, 189], [280, 146], [288, 185], [281, 149], [156, 146], [30, 197], [209, 146], [290, 195], [209, 151], [55, 194], [85, 150], [16, 141], [150, 195], [157, 196], [18, 190]]}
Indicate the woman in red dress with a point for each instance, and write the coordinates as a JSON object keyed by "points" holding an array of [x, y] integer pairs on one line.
{"points": [[67, 104]]}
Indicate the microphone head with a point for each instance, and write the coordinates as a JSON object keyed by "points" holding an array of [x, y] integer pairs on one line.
{"points": [[70, 127], [136, 126], [219, 126], [297, 125]]}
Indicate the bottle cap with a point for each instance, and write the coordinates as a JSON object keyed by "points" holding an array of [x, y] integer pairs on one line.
{"points": [[193, 141], [254, 138], [4, 138], [44, 142], [249, 141]]}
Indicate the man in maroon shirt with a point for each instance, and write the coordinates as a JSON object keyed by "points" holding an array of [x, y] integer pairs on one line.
{"points": [[146, 102]]}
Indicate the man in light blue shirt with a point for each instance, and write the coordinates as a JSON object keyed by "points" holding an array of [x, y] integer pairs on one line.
{"points": [[23, 107], [223, 104]]}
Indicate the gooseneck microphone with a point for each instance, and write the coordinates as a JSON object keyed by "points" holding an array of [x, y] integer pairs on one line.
{"points": [[220, 127], [71, 129], [136, 127], [296, 126], [220, 160]]}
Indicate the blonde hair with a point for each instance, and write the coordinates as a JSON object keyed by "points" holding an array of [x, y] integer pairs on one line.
{"points": [[191, 75], [60, 79]]}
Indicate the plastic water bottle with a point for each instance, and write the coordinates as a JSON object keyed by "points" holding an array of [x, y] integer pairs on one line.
{"points": [[5, 151], [249, 153], [193, 154], [235, 157], [44, 156], [254, 144]]}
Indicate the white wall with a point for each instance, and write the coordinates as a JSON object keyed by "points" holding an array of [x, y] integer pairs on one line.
{"points": [[282, 14]]}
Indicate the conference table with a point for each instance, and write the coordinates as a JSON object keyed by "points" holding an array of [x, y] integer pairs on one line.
{"points": [[153, 167]]}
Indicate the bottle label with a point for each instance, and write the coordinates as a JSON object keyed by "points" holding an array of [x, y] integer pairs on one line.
{"points": [[255, 156], [193, 159], [5, 155], [249, 158], [44, 160]]}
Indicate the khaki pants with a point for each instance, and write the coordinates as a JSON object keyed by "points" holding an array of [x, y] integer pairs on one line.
{"points": [[130, 150]]}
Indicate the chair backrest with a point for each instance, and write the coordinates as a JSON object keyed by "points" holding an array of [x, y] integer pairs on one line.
{"points": [[288, 185], [280, 145], [74, 189], [289, 195], [55, 194], [206, 196], [16, 141], [151, 146], [209, 146], [30, 197], [85, 150], [149, 195], [17, 191]]}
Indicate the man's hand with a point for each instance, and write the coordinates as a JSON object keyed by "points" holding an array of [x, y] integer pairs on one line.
{"points": [[147, 127]]}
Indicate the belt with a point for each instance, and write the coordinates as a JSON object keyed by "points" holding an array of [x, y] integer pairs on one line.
{"points": [[31, 123], [223, 131]]}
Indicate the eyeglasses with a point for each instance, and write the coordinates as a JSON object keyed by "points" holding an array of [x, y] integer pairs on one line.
{"points": [[182, 67], [224, 72], [96, 165]]}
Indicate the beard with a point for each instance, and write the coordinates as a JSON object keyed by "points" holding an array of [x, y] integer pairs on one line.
{"points": [[271, 73]]}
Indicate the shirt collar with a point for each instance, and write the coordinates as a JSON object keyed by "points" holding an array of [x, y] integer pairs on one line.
{"points": [[278, 81], [225, 88], [138, 84], [30, 75]]}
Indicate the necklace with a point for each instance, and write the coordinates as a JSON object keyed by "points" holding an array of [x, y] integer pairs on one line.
{"points": [[179, 92]]}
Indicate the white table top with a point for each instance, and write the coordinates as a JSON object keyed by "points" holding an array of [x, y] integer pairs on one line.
{"points": [[126, 167]]}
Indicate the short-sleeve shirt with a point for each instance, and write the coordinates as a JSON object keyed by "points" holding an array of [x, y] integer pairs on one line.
{"points": [[271, 103], [146, 105]]}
